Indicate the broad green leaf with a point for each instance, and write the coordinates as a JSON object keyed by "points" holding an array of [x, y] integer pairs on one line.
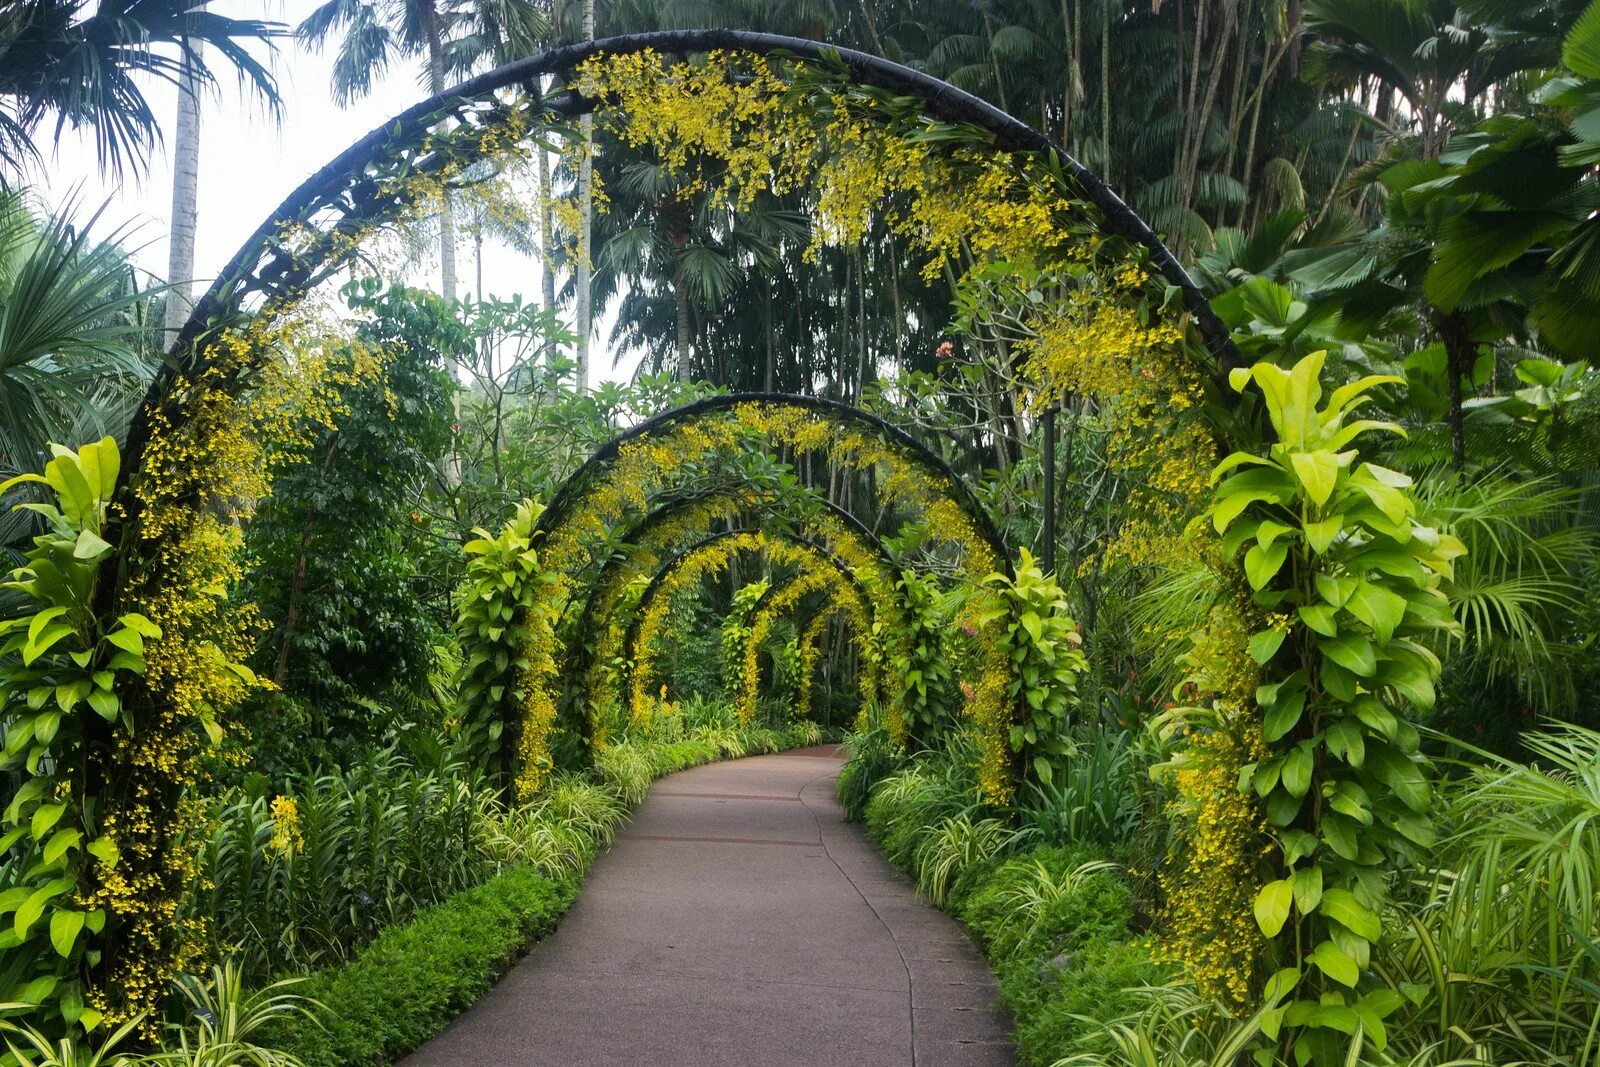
{"points": [[1321, 618], [90, 545], [128, 640], [1342, 907], [1043, 770], [1378, 608], [41, 619], [1272, 906], [1401, 774], [1346, 740], [45, 816], [1265, 644], [1261, 565], [1297, 766], [1340, 834], [1375, 716], [105, 704], [1334, 590], [139, 624], [64, 928], [1318, 473], [1353, 652], [1319, 535], [1308, 889], [60, 842], [1283, 716], [1335, 964], [1411, 682]]}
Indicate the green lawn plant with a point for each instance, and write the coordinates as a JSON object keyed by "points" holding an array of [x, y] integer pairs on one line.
{"points": [[58, 685], [1350, 581]]}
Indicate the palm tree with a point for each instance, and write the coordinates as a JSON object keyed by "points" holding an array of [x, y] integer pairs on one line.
{"points": [[1425, 63], [86, 70], [185, 200], [376, 32], [585, 316], [72, 358]]}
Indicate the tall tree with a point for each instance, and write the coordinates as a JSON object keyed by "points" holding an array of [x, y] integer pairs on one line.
{"points": [[185, 197], [585, 310]]}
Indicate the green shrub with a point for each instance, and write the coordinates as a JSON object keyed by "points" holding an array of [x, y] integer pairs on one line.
{"points": [[1055, 923], [873, 757], [408, 983], [1032, 895], [1061, 1002]]}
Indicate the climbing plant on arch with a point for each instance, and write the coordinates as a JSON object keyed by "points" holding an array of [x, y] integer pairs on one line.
{"points": [[610, 598], [662, 453], [977, 192], [818, 568], [841, 598]]}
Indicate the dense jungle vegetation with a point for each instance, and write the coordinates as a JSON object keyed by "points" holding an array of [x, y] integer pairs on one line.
{"points": [[1278, 742]]}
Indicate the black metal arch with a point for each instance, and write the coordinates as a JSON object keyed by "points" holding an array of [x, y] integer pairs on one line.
{"points": [[673, 562], [578, 646], [346, 190], [343, 184], [828, 606], [573, 488], [668, 510]]}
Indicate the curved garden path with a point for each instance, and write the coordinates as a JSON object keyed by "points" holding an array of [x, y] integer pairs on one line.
{"points": [[739, 920]]}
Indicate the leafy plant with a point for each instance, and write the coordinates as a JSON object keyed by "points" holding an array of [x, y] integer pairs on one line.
{"points": [[1332, 549], [58, 683], [507, 646], [1043, 644]]}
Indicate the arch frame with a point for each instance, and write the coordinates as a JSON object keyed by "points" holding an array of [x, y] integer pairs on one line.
{"points": [[571, 491]]}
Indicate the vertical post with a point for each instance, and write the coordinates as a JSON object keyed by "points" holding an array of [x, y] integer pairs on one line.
{"points": [[1048, 424]]}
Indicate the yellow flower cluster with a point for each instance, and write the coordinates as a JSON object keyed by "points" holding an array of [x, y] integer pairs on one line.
{"points": [[732, 127], [988, 708], [287, 839], [691, 569], [1221, 837], [209, 456], [817, 575], [1210, 892]]}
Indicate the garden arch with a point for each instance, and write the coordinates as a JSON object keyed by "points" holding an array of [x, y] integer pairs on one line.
{"points": [[194, 447], [592, 643], [713, 552]]}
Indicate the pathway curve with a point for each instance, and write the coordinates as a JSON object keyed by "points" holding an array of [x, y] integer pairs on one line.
{"points": [[739, 920]]}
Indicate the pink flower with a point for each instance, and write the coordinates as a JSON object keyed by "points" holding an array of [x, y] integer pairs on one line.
{"points": [[945, 350]]}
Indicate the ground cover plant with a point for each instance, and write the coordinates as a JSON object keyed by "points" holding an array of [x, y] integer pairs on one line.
{"points": [[1213, 621]]}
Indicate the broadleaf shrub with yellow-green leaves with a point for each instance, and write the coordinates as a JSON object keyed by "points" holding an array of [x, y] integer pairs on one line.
{"points": [[1332, 550], [60, 684], [505, 628], [1043, 645]]}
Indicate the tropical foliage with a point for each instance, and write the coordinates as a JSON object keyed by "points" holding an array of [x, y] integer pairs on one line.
{"points": [[344, 655]]}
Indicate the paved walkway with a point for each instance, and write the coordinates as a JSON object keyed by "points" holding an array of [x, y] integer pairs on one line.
{"points": [[739, 920]]}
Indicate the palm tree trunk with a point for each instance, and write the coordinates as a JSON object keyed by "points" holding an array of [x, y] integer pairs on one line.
{"points": [[680, 292], [1105, 90], [447, 222], [1459, 355], [586, 227], [547, 280], [185, 199]]}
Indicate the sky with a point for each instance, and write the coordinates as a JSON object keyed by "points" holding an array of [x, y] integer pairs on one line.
{"points": [[249, 162]]}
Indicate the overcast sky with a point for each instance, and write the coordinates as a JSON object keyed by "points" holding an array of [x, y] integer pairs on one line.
{"points": [[249, 162]]}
